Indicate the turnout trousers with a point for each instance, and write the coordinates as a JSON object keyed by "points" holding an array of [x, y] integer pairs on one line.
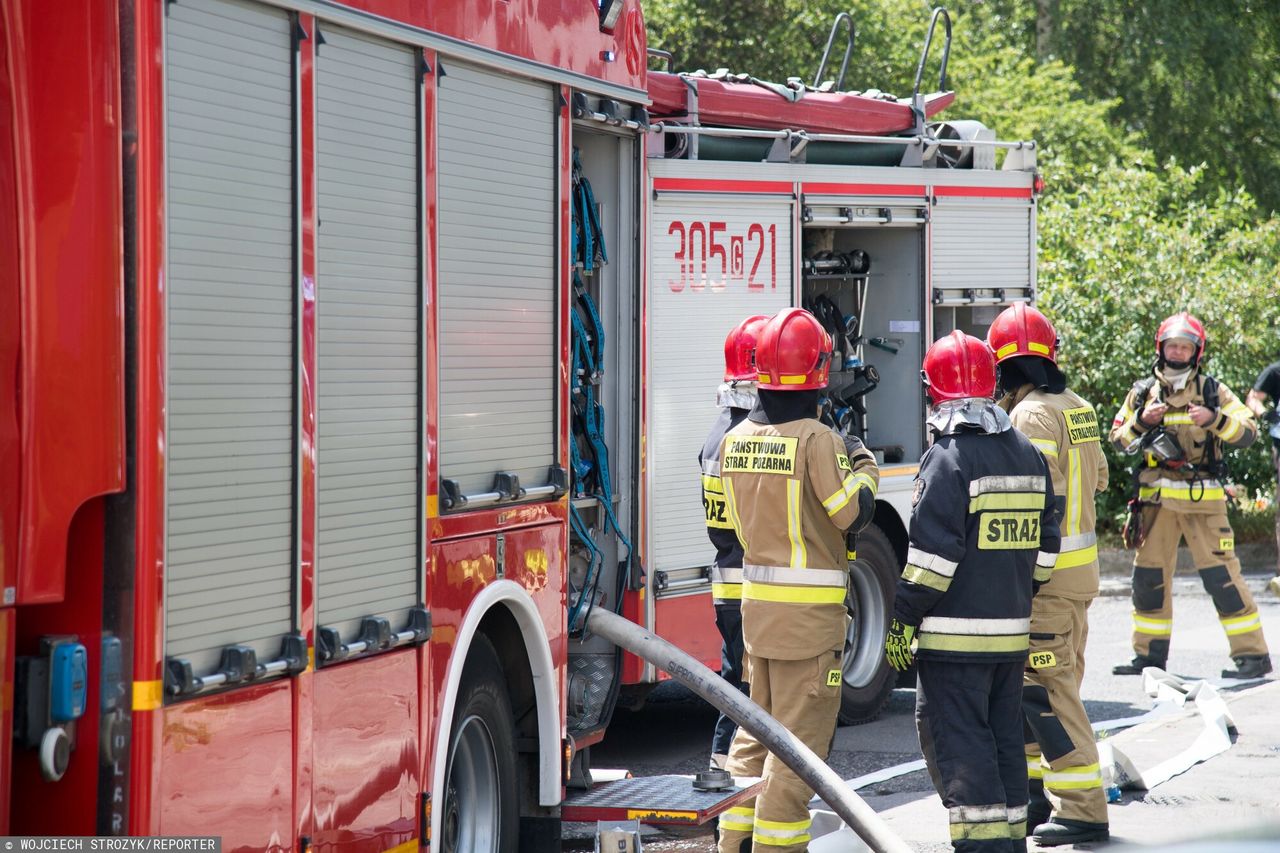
{"points": [[804, 696], [729, 623], [1275, 463], [1212, 545], [1062, 753], [969, 717]]}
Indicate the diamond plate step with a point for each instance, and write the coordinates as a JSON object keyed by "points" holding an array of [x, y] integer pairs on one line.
{"points": [[656, 800]]}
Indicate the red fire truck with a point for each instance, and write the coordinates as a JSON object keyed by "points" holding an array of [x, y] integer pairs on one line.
{"points": [[351, 350]]}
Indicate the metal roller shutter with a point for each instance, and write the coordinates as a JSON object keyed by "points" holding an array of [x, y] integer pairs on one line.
{"points": [[982, 245], [690, 313], [369, 315], [230, 506], [497, 269]]}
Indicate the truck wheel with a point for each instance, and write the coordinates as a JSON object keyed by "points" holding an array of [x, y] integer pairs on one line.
{"points": [[867, 678], [480, 809]]}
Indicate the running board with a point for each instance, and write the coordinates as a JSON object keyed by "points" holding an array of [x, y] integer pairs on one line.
{"points": [[656, 800]]}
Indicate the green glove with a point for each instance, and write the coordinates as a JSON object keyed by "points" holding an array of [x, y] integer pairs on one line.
{"points": [[897, 645]]}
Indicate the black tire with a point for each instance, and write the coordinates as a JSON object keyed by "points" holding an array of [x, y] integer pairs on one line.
{"points": [[868, 680], [481, 813]]}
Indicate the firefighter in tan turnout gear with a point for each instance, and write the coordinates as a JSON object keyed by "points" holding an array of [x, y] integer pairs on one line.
{"points": [[1062, 755], [736, 397], [793, 490], [1180, 420], [984, 535]]}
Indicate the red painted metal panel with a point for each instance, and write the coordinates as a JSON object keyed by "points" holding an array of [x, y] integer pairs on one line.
{"points": [[461, 568], [536, 559], [563, 35], [431, 298], [567, 262], [39, 807], [227, 768], [816, 188], [144, 782], [10, 328], [689, 621], [984, 192], [481, 521], [706, 185], [67, 147], [304, 686], [366, 754]]}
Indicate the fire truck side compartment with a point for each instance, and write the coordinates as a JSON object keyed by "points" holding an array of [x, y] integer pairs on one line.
{"points": [[368, 306], [231, 455], [497, 277]]}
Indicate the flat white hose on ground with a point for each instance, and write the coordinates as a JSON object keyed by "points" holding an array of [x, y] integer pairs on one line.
{"points": [[782, 743]]}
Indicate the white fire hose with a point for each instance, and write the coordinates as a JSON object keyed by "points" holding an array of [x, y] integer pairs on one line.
{"points": [[783, 744]]}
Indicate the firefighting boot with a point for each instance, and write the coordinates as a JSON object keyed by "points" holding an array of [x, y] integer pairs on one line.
{"points": [[1063, 830], [1157, 655], [1137, 665], [1249, 666]]}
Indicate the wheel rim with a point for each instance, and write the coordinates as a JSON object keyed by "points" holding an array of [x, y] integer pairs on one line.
{"points": [[471, 812], [867, 628]]}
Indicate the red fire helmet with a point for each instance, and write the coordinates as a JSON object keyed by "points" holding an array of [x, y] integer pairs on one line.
{"points": [[794, 352], [1183, 325], [1022, 330], [959, 366], [740, 349]]}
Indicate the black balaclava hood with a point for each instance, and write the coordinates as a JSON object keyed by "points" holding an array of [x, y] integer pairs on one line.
{"points": [[1040, 372], [778, 407]]}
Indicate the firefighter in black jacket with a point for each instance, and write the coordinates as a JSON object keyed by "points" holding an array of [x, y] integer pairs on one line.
{"points": [[984, 536], [735, 398]]}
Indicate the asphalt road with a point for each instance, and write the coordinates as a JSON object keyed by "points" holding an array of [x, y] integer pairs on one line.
{"points": [[671, 734]]}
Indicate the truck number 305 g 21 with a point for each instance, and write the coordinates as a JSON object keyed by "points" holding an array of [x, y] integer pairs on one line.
{"points": [[710, 257]]}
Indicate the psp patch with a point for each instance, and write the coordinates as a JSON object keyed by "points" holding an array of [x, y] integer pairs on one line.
{"points": [[1226, 544], [753, 454], [1043, 660], [843, 461], [834, 678], [1008, 531]]}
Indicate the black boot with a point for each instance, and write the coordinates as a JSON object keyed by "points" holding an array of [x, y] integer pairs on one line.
{"points": [[1157, 655], [1063, 830], [1249, 666], [1137, 665]]}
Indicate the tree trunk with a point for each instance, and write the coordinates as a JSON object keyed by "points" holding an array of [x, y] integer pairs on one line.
{"points": [[1044, 28]]}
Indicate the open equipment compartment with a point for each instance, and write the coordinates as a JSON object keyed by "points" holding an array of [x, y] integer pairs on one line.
{"points": [[861, 274]]}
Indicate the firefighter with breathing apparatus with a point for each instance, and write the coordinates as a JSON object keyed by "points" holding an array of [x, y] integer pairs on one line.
{"points": [[792, 488], [735, 397], [1062, 756], [983, 537], [1178, 421]]}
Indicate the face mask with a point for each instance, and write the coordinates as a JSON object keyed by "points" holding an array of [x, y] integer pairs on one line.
{"points": [[1177, 376]]}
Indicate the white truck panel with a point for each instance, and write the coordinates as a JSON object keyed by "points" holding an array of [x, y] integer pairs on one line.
{"points": [[715, 259]]}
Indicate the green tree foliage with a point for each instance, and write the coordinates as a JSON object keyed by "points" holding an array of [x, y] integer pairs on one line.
{"points": [[1197, 79]]}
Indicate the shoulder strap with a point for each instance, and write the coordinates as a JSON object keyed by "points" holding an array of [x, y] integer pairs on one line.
{"points": [[1209, 390], [1142, 387]]}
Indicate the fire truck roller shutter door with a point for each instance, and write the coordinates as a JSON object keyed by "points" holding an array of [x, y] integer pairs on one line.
{"points": [[983, 245], [231, 308], [497, 297], [368, 309], [746, 243]]}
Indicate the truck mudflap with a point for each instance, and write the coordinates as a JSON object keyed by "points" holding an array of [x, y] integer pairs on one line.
{"points": [[657, 800]]}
